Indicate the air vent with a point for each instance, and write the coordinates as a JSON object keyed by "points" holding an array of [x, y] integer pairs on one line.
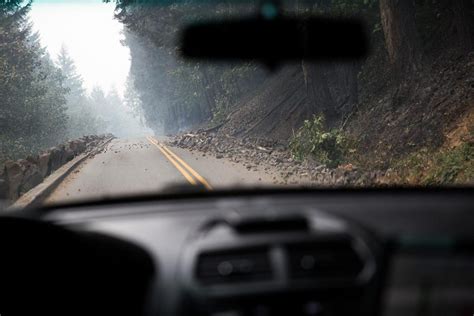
{"points": [[328, 259], [249, 265]]}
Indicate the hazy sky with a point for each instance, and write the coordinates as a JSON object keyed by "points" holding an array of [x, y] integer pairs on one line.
{"points": [[90, 33]]}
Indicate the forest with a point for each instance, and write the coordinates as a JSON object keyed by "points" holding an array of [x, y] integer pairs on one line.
{"points": [[43, 101]]}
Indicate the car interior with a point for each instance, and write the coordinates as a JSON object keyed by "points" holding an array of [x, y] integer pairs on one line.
{"points": [[301, 252], [255, 251]]}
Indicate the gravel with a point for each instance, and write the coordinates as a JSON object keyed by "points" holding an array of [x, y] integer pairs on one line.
{"points": [[275, 158]]}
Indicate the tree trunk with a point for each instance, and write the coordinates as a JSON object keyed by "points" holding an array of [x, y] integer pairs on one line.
{"points": [[463, 23], [209, 92], [332, 89], [401, 39]]}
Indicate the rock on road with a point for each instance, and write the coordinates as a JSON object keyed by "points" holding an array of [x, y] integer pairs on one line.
{"points": [[139, 166]]}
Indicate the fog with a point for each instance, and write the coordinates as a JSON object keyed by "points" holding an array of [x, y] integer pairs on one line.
{"points": [[88, 34]]}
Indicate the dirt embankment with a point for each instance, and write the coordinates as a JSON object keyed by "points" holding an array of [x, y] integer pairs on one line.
{"points": [[274, 110], [397, 118], [394, 119]]}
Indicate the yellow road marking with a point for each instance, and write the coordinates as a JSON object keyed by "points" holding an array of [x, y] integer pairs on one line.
{"points": [[180, 169], [186, 166], [186, 170]]}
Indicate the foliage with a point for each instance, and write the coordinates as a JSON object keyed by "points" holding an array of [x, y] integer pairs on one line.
{"points": [[314, 141], [43, 103], [32, 108], [132, 100], [437, 167], [175, 94], [82, 119], [453, 166]]}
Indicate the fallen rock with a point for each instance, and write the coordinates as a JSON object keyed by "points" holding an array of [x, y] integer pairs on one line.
{"points": [[32, 159], [3, 185], [43, 164], [55, 158], [67, 154], [31, 176], [274, 156], [14, 176], [78, 146]]}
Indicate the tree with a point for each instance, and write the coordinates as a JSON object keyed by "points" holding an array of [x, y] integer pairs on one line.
{"points": [[175, 94], [463, 25], [401, 36], [73, 81], [331, 89], [82, 118], [132, 100], [32, 111]]}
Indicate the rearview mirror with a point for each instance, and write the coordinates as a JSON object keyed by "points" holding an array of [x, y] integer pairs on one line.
{"points": [[278, 40]]}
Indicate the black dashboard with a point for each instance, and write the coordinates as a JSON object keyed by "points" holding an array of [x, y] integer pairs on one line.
{"points": [[327, 252]]}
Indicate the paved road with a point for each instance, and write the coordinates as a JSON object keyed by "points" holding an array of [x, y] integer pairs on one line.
{"points": [[146, 165]]}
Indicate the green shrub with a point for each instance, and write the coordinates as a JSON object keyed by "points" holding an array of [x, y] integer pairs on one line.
{"points": [[453, 166], [314, 141], [437, 167], [219, 115]]}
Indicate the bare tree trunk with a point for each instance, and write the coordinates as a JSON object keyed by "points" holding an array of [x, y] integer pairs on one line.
{"points": [[209, 92], [463, 23], [332, 89], [401, 39]]}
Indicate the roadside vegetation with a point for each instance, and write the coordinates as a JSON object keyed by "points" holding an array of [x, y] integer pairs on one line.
{"points": [[315, 141], [443, 167]]}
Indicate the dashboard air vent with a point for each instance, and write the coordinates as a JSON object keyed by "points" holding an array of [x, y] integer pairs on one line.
{"points": [[233, 266], [328, 259]]}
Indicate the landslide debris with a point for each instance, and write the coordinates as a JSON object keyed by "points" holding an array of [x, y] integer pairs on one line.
{"points": [[275, 158]]}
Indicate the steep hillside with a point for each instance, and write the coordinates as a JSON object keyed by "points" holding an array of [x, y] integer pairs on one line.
{"points": [[392, 117], [409, 121], [400, 110], [274, 110]]}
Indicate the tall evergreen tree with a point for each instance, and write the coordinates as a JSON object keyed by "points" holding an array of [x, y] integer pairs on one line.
{"points": [[32, 112], [82, 119]]}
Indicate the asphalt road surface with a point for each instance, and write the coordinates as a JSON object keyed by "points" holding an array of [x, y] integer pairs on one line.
{"points": [[146, 165]]}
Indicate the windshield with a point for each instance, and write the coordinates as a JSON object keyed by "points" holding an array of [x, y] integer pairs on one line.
{"points": [[97, 101]]}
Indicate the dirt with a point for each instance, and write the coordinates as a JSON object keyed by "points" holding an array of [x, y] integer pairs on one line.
{"points": [[394, 117], [275, 158], [421, 112], [274, 110], [462, 131]]}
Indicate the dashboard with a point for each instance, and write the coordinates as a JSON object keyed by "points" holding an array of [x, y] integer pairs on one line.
{"points": [[326, 252]]}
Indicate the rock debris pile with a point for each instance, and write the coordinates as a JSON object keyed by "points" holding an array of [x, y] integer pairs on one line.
{"points": [[275, 158]]}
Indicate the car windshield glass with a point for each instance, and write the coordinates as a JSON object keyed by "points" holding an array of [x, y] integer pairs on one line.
{"points": [[97, 100]]}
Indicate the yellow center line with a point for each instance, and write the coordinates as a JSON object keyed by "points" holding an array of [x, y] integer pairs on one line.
{"points": [[180, 169], [187, 167]]}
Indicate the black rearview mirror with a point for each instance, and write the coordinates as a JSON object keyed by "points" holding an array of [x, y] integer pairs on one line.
{"points": [[278, 40]]}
